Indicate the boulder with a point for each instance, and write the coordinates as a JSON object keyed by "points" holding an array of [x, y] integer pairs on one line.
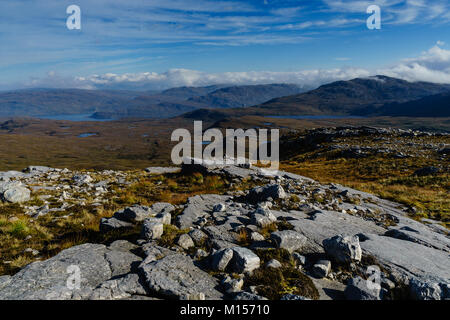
{"points": [[288, 239], [244, 260], [360, 289], [185, 242], [343, 249], [273, 264], [262, 217], [198, 236], [176, 276], [17, 195], [221, 259], [134, 214], [152, 229], [261, 194]]}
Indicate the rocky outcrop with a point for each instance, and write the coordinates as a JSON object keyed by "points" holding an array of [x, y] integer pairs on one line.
{"points": [[222, 243]]}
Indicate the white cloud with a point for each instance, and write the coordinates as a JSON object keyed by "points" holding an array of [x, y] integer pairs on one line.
{"points": [[432, 66]]}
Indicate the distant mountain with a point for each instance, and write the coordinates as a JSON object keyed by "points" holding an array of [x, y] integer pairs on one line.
{"points": [[362, 96], [120, 104], [432, 106], [40, 102], [245, 96], [350, 97]]}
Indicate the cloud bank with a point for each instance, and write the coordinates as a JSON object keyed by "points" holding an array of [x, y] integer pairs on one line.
{"points": [[432, 65]]}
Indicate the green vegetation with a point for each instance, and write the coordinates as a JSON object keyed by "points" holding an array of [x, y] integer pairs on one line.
{"points": [[274, 283]]}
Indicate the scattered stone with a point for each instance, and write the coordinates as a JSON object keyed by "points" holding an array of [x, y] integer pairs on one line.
{"points": [[321, 268], [152, 229], [220, 207], [343, 249], [358, 289], [17, 195], [262, 217], [288, 239], [231, 285], [198, 236], [261, 194], [244, 260], [256, 236], [185, 242], [273, 264], [109, 224], [221, 259]]}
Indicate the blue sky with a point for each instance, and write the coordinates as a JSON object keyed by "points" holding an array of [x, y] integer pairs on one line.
{"points": [[155, 44]]}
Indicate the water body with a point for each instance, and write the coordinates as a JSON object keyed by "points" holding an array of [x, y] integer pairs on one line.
{"points": [[73, 117], [87, 134], [314, 117]]}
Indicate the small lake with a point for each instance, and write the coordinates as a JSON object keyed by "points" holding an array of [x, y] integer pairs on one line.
{"points": [[73, 117], [87, 134], [320, 117]]}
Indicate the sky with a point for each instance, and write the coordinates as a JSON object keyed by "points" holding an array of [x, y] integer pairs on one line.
{"points": [[158, 44]]}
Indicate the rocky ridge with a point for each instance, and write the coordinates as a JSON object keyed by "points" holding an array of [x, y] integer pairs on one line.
{"points": [[331, 237]]}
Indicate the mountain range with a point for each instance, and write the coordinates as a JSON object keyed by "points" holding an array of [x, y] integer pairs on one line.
{"points": [[116, 104], [373, 96]]}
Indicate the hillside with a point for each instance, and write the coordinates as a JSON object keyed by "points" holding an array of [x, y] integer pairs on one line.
{"points": [[119, 104], [432, 106], [361, 97], [245, 96]]}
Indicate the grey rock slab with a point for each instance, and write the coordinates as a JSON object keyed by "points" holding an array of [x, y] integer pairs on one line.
{"points": [[109, 224], [121, 262], [421, 234], [220, 233], [162, 170], [134, 214], [176, 276], [48, 279], [119, 288], [198, 207], [411, 260], [289, 240], [327, 224]]}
